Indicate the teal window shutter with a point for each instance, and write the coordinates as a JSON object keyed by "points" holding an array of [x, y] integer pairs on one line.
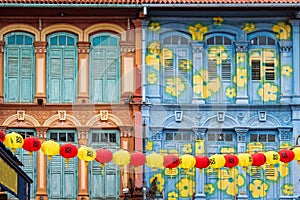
{"points": [[19, 67], [62, 68], [105, 68]]}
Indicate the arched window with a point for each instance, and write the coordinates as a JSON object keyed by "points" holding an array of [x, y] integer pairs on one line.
{"points": [[105, 68], [62, 68], [218, 85], [176, 69], [263, 65], [19, 70]]}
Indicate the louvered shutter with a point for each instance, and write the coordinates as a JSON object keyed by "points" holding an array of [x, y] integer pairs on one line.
{"points": [[112, 75], [69, 70], [55, 73], [26, 77], [98, 63], [185, 96], [13, 90]]}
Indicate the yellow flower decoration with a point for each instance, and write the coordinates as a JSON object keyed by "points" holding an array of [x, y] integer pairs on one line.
{"points": [[152, 60], [163, 152], [249, 27], [160, 181], [198, 31], [287, 189], [154, 47], [187, 148], [286, 70], [230, 92], [172, 195], [218, 54], [258, 188], [280, 170], [203, 86], [227, 150], [185, 65], [152, 78], [209, 189], [191, 172], [254, 147], [186, 187], [268, 92], [154, 26], [199, 147], [230, 181], [240, 57], [149, 145], [218, 20], [283, 30], [285, 145], [166, 56], [174, 86], [241, 78]]}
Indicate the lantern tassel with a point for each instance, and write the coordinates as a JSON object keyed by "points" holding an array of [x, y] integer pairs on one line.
{"points": [[67, 162], [102, 166]]}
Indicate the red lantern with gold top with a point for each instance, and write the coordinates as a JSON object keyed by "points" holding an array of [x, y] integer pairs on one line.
{"points": [[258, 159], [137, 159], [231, 160], [103, 156], [286, 155], [201, 162], [171, 161], [68, 151], [2, 136], [31, 144]]}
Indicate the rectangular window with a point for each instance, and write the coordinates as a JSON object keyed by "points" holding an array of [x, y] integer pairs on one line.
{"points": [[255, 70], [270, 71], [226, 71]]}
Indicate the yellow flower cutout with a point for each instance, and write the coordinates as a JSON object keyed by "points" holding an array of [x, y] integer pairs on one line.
{"points": [[154, 26], [230, 92], [198, 31], [254, 147], [218, 54], [287, 189], [283, 30], [187, 148], [152, 78], [249, 27], [258, 188], [218, 20], [268, 92], [172, 195], [240, 57], [209, 189], [185, 65], [230, 181], [149, 145], [174, 86], [241, 78], [154, 47], [159, 183], [227, 150], [152, 60], [203, 86], [186, 187], [286, 70]]}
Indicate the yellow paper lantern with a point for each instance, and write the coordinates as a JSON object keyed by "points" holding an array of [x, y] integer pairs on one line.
{"points": [[13, 141], [87, 154], [245, 160], [217, 161], [272, 157], [297, 154], [187, 162], [50, 148], [154, 160], [121, 158]]}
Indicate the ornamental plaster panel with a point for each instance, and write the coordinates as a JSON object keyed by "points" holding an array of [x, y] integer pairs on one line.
{"points": [[213, 122], [112, 120], [61, 27], [270, 122], [56, 122], [104, 26], [17, 27], [186, 123], [28, 121]]}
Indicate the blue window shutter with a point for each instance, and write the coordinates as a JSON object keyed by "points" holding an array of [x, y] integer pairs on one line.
{"points": [[54, 75], [69, 76], [26, 75], [12, 75]]}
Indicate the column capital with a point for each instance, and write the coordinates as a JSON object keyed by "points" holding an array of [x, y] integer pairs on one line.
{"points": [[127, 47], [241, 46], [138, 23], [40, 47], [197, 47], [2, 43], [285, 46], [41, 132], [126, 131], [83, 47]]}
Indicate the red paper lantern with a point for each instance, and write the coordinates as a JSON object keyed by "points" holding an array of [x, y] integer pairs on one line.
{"points": [[171, 161], [202, 162], [137, 159], [103, 156], [2, 136], [286, 155], [68, 151], [258, 159], [231, 160], [31, 144]]}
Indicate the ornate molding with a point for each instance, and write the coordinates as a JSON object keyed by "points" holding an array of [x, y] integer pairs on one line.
{"points": [[40, 47], [83, 133], [83, 47], [41, 132], [197, 47], [241, 134], [241, 46], [285, 46], [126, 131], [2, 43], [285, 134], [127, 47]]}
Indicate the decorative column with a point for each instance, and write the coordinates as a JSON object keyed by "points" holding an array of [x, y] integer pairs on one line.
{"points": [[40, 71], [200, 175], [83, 192], [296, 133], [285, 135], [241, 148], [2, 71], [83, 72], [41, 191], [241, 72], [286, 61], [296, 60], [198, 64], [138, 60]]}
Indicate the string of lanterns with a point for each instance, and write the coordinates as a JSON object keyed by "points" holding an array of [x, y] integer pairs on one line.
{"points": [[154, 160]]}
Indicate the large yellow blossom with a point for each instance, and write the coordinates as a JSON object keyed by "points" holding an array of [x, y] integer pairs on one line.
{"points": [[159, 183], [152, 78], [209, 189], [279, 170], [287, 189], [186, 187], [258, 188], [240, 57], [230, 92], [187, 148], [268, 92], [218, 54], [218, 20], [172, 195], [152, 60], [149, 145], [249, 27], [286, 70], [283, 30], [154, 26], [241, 78], [230, 181], [198, 31], [174, 86], [154, 47], [185, 65]]}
